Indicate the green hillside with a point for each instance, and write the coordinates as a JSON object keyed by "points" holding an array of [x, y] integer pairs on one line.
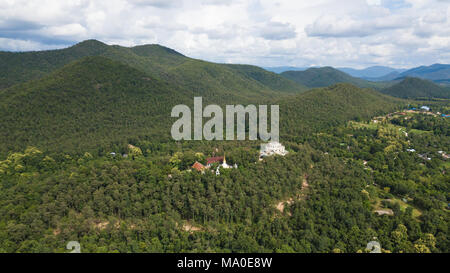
{"points": [[327, 76], [417, 88], [155, 60], [324, 108], [94, 103], [85, 105], [270, 79], [119, 94], [24, 66], [68, 117]]}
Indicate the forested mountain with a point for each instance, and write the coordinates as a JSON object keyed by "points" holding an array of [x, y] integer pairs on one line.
{"points": [[96, 102], [86, 155], [24, 66], [272, 80], [435, 72], [84, 104], [324, 108], [122, 93], [438, 73], [417, 88], [155, 60], [327, 76]]}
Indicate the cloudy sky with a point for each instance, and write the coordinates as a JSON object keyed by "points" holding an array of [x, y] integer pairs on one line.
{"points": [[354, 33]]}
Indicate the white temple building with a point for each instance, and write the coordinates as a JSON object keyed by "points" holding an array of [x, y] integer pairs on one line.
{"points": [[272, 148], [225, 165]]}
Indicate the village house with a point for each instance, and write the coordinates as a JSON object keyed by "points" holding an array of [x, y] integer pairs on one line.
{"points": [[272, 148], [198, 166], [218, 159]]}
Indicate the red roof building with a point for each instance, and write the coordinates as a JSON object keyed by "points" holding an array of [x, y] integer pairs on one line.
{"points": [[198, 166], [212, 160]]}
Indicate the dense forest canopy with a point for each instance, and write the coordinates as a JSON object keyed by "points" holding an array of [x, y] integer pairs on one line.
{"points": [[86, 155], [417, 88]]}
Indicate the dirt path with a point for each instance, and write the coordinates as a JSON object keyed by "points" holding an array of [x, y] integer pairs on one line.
{"points": [[305, 185]]}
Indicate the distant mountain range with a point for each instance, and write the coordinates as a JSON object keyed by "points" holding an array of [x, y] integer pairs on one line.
{"points": [[281, 69], [327, 76], [371, 72], [435, 72], [407, 87], [438, 73]]}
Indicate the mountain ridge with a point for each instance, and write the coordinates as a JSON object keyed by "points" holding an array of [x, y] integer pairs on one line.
{"points": [[327, 76], [156, 60], [416, 88], [96, 102]]}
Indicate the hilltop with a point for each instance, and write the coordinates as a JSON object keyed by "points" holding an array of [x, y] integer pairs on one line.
{"points": [[155, 60], [326, 76], [417, 88], [371, 72], [438, 73], [435, 72], [269, 79]]}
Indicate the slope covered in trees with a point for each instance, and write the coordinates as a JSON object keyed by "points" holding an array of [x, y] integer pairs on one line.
{"points": [[152, 202], [327, 76], [267, 78], [94, 103], [84, 104], [324, 108], [24, 66], [417, 88], [102, 169], [155, 60]]}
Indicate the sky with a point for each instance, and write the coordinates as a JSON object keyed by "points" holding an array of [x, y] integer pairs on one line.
{"points": [[345, 33]]}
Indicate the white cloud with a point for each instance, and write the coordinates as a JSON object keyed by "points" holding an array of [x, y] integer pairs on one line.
{"points": [[277, 31], [263, 32]]}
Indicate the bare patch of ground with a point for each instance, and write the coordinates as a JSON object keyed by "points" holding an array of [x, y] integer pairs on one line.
{"points": [[102, 225], [188, 227], [282, 205], [384, 212]]}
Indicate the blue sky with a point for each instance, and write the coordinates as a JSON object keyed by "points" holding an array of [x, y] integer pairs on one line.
{"points": [[351, 33]]}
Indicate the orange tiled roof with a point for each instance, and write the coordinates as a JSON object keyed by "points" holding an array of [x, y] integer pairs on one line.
{"points": [[198, 166]]}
